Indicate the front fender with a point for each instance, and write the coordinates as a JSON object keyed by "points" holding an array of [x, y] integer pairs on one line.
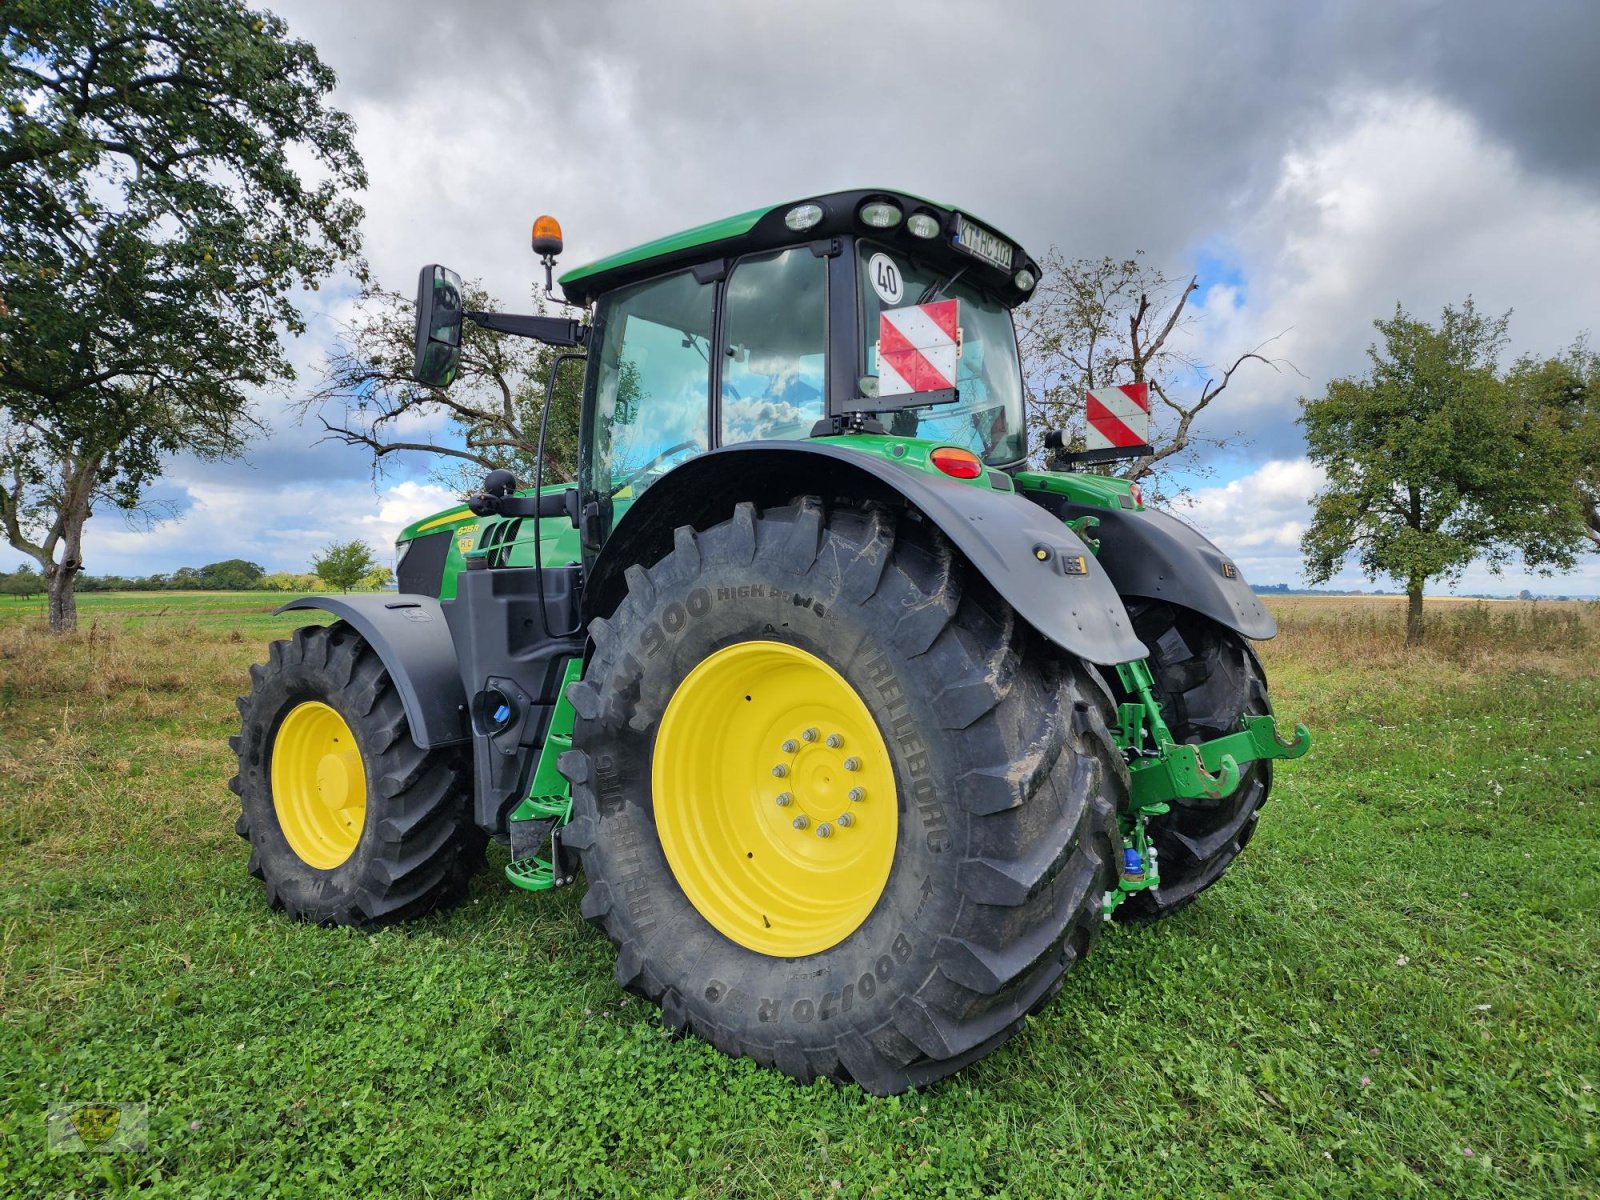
{"points": [[999, 533], [1154, 555], [410, 636]]}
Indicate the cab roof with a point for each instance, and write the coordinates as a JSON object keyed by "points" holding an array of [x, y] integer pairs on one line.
{"points": [[765, 228]]}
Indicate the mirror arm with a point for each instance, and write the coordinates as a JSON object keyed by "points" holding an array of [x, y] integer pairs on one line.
{"points": [[553, 331]]}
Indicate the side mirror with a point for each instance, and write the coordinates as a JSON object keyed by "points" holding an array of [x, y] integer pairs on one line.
{"points": [[439, 316]]}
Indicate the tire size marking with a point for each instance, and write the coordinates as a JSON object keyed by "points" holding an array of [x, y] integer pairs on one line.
{"points": [[805, 1009], [673, 620], [908, 737]]}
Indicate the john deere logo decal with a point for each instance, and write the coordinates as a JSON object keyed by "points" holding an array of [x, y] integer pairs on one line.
{"points": [[105, 1128]]}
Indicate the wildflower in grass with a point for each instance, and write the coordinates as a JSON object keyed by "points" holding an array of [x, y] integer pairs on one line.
{"points": [[1466, 1151], [1366, 1081], [1402, 961]]}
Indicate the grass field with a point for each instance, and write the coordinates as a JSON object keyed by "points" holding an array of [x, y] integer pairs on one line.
{"points": [[1394, 992]]}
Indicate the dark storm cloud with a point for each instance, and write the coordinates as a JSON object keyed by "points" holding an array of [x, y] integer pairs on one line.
{"points": [[1099, 127]]}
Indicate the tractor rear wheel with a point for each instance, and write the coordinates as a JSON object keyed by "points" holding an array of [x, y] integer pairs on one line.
{"points": [[1207, 677], [839, 810], [349, 823]]}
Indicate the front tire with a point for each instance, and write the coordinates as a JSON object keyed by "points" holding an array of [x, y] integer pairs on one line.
{"points": [[898, 965], [349, 822], [1207, 677]]}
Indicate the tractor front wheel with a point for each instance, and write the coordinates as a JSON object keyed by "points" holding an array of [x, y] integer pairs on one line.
{"points": [[838, 809], [349, 822]]}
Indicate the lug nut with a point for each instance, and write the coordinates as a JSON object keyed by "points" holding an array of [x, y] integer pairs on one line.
{"points": [[846, 820], [790, 746], [824, 830], [835, 741], [785, 799], [857, 795], [780, 770], [852, 764], [802, 821], [810, 735]]}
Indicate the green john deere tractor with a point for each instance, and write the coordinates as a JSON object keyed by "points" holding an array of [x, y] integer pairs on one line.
{"points": [[855, 727]]}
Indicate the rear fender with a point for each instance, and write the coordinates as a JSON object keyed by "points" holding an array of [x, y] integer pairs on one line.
{"points": [[410, 636], [998, 532], [1153, 555]]}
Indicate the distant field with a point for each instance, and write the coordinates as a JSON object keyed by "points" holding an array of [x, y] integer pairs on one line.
{"points": [[1394, 993]]}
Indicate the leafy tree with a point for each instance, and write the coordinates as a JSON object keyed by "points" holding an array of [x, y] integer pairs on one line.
{"points": [[288, 581], [1432, 464], [377, 579], [168, 173], [21, 583], [231, 575], [1099, 322], [491, 412], [1563, 394], [342, 564]]}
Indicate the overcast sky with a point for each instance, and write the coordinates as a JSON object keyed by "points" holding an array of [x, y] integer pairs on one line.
{"points": [[1316, 165]]}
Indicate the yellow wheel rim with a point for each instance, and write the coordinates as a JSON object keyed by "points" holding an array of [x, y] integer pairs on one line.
{"points": [[319, 785], [774, 798]]}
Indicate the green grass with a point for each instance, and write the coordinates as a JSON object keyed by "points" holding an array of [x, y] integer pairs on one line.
{"points": [[1403, 969]]}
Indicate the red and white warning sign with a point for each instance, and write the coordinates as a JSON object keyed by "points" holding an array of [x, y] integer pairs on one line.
{"points": [[917, 347], [1119, 417]]}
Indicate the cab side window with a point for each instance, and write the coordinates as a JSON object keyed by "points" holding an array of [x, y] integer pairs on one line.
{"points": [[651, 400], [775, 335]]}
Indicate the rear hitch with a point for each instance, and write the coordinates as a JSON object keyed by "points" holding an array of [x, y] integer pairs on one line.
{"points": [[1162, 769]]}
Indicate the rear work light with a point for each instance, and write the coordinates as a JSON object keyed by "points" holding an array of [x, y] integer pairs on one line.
{"points": [[802, 217], [958, 464]]}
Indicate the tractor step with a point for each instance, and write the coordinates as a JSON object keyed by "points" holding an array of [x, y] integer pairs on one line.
{"points": [[528, 868]]}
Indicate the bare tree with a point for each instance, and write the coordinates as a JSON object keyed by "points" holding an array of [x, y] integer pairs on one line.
{"points": [[1099, 322], [490, 414]]}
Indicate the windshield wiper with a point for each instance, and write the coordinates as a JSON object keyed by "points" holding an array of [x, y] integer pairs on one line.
{"points": [[937, 288]]}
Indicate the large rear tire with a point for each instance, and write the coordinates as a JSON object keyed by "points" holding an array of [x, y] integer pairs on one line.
{"points": [[918, 934], [1207, 677], [349, 823]]}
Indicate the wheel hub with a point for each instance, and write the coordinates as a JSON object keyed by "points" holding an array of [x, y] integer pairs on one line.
{"points": [[774, 798], [319, 785]]}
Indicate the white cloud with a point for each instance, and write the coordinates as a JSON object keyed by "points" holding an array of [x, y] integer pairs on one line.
{"points": [[277, 524], [1395, 197], [1258, 520]]}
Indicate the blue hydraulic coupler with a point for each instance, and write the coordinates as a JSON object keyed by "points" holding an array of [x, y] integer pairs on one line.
{"points": [[1132, 866]]}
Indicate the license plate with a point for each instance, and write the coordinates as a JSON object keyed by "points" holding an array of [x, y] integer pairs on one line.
{"points": [[980, 243]]}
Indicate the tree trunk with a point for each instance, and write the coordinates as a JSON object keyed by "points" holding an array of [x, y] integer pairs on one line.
{"points": [[63, 600], [1414, 612], [59, 578]]}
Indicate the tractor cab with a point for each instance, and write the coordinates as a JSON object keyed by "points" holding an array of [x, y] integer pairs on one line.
{"points": [[768, 326]]}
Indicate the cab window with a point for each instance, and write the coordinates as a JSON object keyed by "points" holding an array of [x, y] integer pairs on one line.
{"points": [[988, 420], [651, 399], [774, 345]]}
